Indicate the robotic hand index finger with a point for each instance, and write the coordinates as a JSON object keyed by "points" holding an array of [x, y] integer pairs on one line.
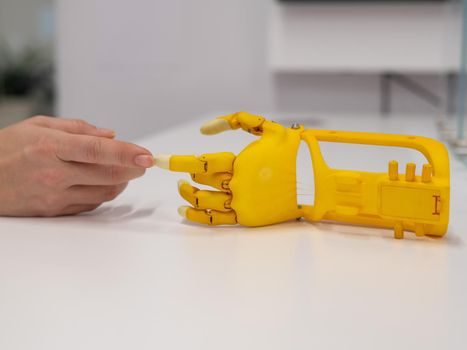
{"points": [[258, 186]]}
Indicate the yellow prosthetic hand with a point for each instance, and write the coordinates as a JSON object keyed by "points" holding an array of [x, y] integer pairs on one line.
{"points": [[258, 187]]}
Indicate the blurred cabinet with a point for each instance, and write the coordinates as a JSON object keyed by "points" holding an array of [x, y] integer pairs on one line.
{"points": [[361, 37]]}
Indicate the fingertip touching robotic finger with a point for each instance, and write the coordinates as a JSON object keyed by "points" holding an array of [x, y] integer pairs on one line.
{"points": [[258, 187]]}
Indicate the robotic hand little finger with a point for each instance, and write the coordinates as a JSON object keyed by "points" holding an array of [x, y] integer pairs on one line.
{"points": [[258, 187]]}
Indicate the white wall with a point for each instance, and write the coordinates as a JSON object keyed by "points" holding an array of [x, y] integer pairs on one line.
{"points": [[142, 65]]}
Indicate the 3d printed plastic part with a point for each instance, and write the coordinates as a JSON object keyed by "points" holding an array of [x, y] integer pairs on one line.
{"points": [[258, 187]]}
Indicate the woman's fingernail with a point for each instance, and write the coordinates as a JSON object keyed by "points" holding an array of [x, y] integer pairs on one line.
{"points": [[144, 161]]}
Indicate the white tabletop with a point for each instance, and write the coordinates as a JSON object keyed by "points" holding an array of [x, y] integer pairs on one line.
{"points": [[133, 275]]}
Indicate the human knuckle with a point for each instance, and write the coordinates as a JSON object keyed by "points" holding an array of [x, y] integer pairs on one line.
{"points": [[45, 146], [139, 172], [93, 150], [111, 192], [121, 156], [53, 177], [79, 124], [53, 205], [115, 173], [38, 118], [88, 208]]}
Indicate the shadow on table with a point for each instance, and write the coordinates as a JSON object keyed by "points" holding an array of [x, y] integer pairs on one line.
{"points": [[362, 232], [282, 228], [122, 214], [324, 228], [118, 213], [330, 228]]}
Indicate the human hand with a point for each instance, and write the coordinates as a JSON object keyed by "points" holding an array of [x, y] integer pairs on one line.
{"points": [[51, 167]]}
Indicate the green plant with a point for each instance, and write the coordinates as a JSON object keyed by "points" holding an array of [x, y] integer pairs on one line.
{"points": [[23, 73]]}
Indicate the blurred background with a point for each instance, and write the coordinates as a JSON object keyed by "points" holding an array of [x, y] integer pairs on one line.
{"points": [[27, 33], [144, 65]]}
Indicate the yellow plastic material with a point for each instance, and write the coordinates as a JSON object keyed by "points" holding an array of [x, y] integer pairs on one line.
{"points": [[258, 187], [414, 203]]}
